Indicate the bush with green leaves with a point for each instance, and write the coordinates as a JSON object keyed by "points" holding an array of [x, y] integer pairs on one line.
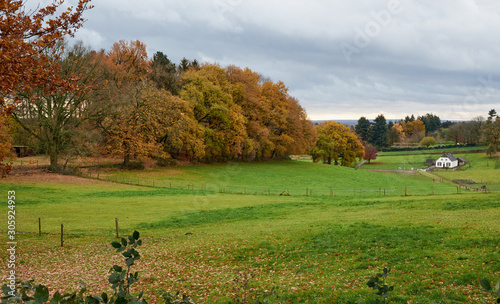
{"points": [[378, 284], [121, 278]]}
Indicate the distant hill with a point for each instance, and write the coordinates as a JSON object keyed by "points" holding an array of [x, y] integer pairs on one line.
{"points": [[346, 122], [353, 122]]}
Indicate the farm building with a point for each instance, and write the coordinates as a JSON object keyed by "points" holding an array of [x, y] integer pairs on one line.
{"points": [[430, 162], [448, 160]]}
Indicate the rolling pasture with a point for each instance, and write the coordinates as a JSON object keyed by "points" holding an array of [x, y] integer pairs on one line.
{"points": [[222, 233]]}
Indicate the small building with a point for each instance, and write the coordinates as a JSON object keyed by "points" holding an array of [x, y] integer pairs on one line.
{"points": [[430, 162], [448, 160]]}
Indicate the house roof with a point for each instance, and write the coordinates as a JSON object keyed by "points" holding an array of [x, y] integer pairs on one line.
{"points": [[462, 159], [450, 156]]}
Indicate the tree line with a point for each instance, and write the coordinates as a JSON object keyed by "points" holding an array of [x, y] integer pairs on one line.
{"points": [[76, 101], [126, 104], [429, 130]]}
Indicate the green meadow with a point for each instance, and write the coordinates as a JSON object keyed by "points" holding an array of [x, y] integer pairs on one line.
{"points": [[296, 178], [208, 228]]}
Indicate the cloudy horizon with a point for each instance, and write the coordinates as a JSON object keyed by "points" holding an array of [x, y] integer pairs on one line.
{"points": [[342, 60]]}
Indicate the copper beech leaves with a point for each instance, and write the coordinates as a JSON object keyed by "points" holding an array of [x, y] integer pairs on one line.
{"points": [[28, 40]]}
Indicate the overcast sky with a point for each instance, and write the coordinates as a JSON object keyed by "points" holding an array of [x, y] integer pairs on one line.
{"points": [[341, 59]]}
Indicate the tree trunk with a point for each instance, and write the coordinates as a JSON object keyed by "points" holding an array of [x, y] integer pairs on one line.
{"points": [[126, 159], [53, 157]]}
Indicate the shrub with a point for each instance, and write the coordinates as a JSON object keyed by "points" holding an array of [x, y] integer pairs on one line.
{"points": [[427, 142]]}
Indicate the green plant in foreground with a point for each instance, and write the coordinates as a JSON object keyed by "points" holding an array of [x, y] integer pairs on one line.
{"points": [[120, 279], [377, 283], [488, 288]]}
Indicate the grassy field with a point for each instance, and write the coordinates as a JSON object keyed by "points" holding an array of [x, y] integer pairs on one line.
{"points": [[290, 249], [397, 161], [294, 177], [435, 151]]}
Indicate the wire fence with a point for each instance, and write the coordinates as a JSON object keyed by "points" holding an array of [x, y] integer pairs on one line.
{"points": [[437, 188]]}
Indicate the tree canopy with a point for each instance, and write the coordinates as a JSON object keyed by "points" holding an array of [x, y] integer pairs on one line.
{"points": [[337, 143]]}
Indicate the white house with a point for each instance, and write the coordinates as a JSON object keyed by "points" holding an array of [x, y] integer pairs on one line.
{"points": [[447, 161]]}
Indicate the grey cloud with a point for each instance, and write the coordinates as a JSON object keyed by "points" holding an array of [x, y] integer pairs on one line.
{"points": [[429, 57]]}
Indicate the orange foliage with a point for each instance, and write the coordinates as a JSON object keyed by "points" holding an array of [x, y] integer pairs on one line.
{"points": [[415, 127], [26, 41]]}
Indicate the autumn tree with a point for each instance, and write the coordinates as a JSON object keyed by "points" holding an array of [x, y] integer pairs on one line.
{"points": [[337, 143], [427, 142], [289, 128], [397, 133], [472, 130], [54, 118], [26, 40], [415, 130], [5, 140], [246, 92], [371, 153], [122, 101], [491, 132], [208, 92]]}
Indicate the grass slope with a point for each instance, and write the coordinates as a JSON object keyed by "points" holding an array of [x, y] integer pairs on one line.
{"points": [[299, 178], [293, 249]]}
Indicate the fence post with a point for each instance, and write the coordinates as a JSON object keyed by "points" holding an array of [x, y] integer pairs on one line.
{"points": [[116, 221], [406, 191], [39, 226], [62, 233]]}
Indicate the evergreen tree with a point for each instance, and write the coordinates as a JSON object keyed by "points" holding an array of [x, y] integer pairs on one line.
{"points": [[363, 129], [379, 129], [491, 114], [432, 122], [164, 73]]}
